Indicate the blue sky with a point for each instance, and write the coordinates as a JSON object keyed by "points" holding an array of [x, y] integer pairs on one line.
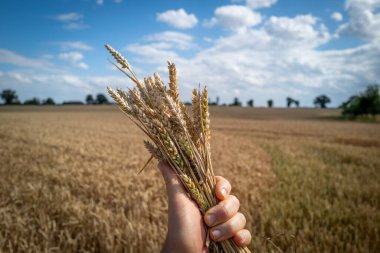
{"points": [[260, 49]]}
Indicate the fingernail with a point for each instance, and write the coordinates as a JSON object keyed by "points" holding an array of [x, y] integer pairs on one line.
{"points": [[224, 192], [210, 219], [242, 238], [215, 234]]}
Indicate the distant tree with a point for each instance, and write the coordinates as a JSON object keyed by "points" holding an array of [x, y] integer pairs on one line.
{"points": [[9, 97], [101, 99], [236, 102], [33, 101], [321, 101], [250, 103], [48, 101], [73, 102], [366, 103], [89, 99], [346, 103], [217, 101], [297, 103], [270, 103], [290, 101]]}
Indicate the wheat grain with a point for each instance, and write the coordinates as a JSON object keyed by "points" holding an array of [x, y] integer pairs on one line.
{"points": [[195, 193], [173, 82], [181, 140], [154, 151], [118, 57]]}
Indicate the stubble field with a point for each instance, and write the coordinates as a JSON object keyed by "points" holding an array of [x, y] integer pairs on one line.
{"points": [[69, 183]]}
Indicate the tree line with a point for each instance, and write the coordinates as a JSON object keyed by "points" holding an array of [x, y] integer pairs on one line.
{"points": [[365, 103], [10, 98]]}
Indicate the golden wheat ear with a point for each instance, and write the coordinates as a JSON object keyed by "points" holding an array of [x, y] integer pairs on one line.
{"points": [[176, 137]]}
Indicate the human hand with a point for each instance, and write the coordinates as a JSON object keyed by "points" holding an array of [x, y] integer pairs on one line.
{"points": [[186, 230]]}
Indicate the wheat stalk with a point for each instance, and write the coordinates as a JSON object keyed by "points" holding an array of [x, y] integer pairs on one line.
{"points": [[178, 138]]}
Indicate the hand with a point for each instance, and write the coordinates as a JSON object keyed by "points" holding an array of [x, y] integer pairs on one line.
{"points": [[186, 231]]}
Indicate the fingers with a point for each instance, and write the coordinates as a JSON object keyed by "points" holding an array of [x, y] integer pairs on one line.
{"points": [[242, 237], [223, 211], [229, 228], [222, 187]]}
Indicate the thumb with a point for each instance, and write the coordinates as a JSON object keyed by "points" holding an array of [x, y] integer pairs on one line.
{"points": [[174, 187]]}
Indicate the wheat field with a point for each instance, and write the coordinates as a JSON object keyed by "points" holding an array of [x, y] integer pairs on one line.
{"points": [[69, 183]]}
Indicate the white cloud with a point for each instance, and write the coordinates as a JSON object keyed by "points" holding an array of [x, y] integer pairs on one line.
{"points": [[364, 19], [10, 57], [82, 65], [101, 2], [74, 58], [71, 21], [279, 59], [59, 86], [71, 56], [302, 30], [152, 53], [67, 17], [255, 4], [173, 39], [337, 16], [76, 45], [164, 45], [178, 18], [234, 17], [208, 39]]}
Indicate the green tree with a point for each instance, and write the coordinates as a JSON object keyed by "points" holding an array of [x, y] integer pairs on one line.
{"points": [[89, 99], [9, 97], [250, 103], [33, 101], [236, 102], [48, 101], [270, 103], [321, 101], [366, 103], [289, 101], [297, 103], [101, 99]]}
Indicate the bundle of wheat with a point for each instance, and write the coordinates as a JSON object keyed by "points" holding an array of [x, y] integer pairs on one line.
{"points": [[179, 138]]}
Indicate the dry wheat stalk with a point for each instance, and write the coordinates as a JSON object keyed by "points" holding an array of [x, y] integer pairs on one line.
{"points": [[180, 139]]}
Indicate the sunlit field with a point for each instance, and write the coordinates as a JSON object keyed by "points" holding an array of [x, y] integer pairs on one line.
{"points": [[307, 182]]}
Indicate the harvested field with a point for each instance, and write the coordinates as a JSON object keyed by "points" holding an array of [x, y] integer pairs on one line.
{"points": [[69, 183]]}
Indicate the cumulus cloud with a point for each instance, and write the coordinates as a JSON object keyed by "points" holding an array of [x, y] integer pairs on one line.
{"points": [[74, 58], [255, 4], [364, 19], [67, 17], [278, 59], [337, 16], [71, 21], [302, 30], [10, 57], [66, 86], [101, 2], [173, 39], [164, 45], [178, 18], [234, 17], [76, 45]]}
